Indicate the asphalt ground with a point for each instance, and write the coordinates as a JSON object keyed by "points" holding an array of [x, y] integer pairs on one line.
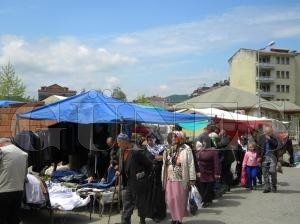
{"points": [[237, 206]]}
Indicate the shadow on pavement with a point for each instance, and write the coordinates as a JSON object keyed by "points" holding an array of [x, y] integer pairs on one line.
{"points": [[223, 202], [232, 196], [207, 210], [287, 191], [283, 184], [204, 222]]}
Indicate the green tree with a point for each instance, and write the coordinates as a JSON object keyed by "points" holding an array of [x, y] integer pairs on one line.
{"points": [[119, 94], [142, 99], [11, 86]]}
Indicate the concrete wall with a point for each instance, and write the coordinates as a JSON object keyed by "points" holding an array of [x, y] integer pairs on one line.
{"points": [[242, 70]]}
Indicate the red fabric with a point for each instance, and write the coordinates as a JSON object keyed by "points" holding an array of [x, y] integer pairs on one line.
{"points": [[243, 178]]}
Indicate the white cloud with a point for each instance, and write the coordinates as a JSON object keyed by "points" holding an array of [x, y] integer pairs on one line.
{"points": [[125, 40], [118, 60], [112, 82], [63, 61], [216, 32], [163, 88]]}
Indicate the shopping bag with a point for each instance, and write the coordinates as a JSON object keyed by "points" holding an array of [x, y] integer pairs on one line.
{"points": [[286, 158], [196, 195], [233, 169], [192, 206]]}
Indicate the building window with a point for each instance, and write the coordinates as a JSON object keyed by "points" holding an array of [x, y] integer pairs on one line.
{"points": [[287, 60], [287, 88], [282, 88], [278, 74], [278, 88], [282, 74], [278, 60], [282, 60], [287, 74]]}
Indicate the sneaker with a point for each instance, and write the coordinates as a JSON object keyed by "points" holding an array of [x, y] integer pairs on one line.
{"points": [[259, 181]]}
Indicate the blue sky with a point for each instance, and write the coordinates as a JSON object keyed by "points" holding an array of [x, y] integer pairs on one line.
{"points": [[154, 47]]}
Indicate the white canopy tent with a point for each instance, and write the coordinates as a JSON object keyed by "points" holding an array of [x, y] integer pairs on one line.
{"points": [[213, 112]]}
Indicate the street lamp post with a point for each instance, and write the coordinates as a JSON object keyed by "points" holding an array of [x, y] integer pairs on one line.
{"points": [[258, 75]]}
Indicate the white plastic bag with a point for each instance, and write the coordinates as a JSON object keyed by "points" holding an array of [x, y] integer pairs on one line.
{"points": [[196, 195]]}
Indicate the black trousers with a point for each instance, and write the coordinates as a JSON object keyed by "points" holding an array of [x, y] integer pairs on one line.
{"points": [[206, 190], [10, 204]]}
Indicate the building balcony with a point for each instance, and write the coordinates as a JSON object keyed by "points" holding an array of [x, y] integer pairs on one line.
{"points": [[266, 94], [265, 65], [265, 79]]}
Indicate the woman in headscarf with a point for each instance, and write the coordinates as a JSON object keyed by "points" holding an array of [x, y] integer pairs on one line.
{"points": [[178, 174], [208, 169], [157, 193]]}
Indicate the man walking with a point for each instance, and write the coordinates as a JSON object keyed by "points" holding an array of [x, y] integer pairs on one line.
{"points": [[135, 168], [268, 155]]}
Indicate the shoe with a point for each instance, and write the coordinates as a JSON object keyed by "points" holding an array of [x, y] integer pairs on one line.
{"points": [[142, 220], [274, 189], [157, 220], [266, 191], [255, 188], [205, 204]]}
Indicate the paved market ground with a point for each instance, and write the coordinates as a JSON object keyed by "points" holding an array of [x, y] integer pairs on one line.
{"points": [[238, 206]]}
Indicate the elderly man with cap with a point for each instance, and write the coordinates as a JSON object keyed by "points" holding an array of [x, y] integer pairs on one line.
{"points": [[13, 170], [178, 174], [135, 167]]}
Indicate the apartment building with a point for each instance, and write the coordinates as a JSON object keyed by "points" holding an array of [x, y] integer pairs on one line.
{"points": [[274, 73]]}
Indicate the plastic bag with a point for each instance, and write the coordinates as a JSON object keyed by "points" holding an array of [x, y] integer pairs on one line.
{"points": [[192, 206], [233, 169], [196, 195]]}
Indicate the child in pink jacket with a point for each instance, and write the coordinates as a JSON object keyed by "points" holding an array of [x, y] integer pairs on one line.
{"points": [[250, 164]]}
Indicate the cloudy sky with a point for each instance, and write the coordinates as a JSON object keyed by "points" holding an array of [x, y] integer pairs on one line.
{"points": [[153, 47]]}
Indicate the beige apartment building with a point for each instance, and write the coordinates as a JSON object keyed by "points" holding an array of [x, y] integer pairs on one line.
{"points": [[279, 73]]}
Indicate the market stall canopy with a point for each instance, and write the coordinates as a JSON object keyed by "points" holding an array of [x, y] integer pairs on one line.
{"points": [[6, 103], [222, 114], [94, 107]]}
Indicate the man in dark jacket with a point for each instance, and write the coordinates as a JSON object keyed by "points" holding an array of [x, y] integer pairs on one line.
{"points": [[267, 151], [135, 167]]}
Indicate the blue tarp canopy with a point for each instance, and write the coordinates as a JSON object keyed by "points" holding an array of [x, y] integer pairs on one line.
{"points": [[94, 107], [6, 103]]}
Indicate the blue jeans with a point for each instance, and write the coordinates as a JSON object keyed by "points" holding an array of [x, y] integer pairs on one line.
{"points": [[251, 176]]}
